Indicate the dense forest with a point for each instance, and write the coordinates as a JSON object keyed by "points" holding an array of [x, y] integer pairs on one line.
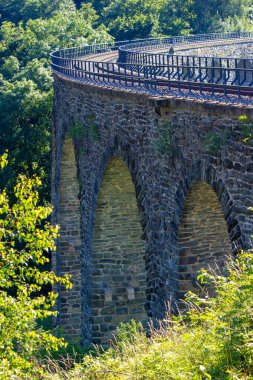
{"points": [[29, 31]]}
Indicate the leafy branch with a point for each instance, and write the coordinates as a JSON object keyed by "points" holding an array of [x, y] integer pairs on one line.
{"points": [[246, 129], [166, 143]]}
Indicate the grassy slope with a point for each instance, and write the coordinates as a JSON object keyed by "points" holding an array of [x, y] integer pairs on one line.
{"points": [[214, 340]]}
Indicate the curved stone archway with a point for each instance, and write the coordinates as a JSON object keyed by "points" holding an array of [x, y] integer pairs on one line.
{"points": [[203, 239], [118, 276]]}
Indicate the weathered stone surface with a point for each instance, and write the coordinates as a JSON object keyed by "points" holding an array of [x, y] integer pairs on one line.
{"points": [[203, 240], [239, 50], [67, 210], [129, 127], [117, 254]]}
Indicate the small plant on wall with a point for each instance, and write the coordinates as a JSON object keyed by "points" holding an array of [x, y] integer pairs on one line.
{"points": [[79, 131], [166, 144], [214, 141], [92, 128], [76, 131], [246, 130]]}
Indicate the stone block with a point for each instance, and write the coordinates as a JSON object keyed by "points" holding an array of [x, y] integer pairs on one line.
{"points": [[130, 293], [108, 295]]}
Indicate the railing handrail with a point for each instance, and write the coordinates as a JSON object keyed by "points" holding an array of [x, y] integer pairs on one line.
{"points": [[126, 45], [186, 75]]}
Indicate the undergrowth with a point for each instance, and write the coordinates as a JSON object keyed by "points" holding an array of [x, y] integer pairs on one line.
{"points": [[212, 340]]}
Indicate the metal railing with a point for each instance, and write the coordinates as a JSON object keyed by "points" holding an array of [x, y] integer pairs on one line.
{"points": [[139, 69]]}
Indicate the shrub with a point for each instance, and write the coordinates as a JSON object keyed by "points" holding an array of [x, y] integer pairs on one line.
{"points": [[246, 129], [25, 236], [213, 340], [166, 143]]}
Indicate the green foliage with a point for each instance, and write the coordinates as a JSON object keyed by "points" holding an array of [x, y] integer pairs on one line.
{"points": [[77, 131], [99, 5], [166, 144], [90, 131], [25, 237], [141, 18], [214, 141], [216, 15], [128, 333], [246, 129], [14, 11], [129, 19], [175, 17], [212, 341], [26, 80]]}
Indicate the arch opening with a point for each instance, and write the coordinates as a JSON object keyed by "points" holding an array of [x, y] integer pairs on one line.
{"points": [[118, 276], [203, 240]]}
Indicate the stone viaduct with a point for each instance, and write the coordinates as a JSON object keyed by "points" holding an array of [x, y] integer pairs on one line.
{"points": [[148, 188]]}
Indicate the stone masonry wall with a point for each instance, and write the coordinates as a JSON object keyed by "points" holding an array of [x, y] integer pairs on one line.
{"points": [[118, 276], [69, 243], [203, 239], [132, 127], [240, 50]]}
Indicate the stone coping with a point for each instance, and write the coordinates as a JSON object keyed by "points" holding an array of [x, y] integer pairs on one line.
{"points": [[162, 104]]}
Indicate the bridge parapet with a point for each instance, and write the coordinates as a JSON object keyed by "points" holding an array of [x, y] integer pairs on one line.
{"points": [[143, 66]]}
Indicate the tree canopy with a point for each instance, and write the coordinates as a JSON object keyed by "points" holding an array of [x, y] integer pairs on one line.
{"points": [[128, 19], [23, 10], [26, 79]]}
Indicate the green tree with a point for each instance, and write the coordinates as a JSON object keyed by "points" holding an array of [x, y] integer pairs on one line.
{"points": [[129, 19], [25, 237], [26, 85], [99, 5], [15, 11], [213, 15], [176, 17]]}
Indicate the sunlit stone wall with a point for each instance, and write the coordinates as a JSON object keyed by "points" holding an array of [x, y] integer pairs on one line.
{"points": [[95, 202], [240, 50], [118, 278], [203, 236]]}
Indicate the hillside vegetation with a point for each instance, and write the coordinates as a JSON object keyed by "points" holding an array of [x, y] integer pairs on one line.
{"points": [[212, 340], [129, 19], [29, 32]]}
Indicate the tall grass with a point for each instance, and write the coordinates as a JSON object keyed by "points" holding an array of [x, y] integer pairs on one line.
{"points": [[212, 340]]}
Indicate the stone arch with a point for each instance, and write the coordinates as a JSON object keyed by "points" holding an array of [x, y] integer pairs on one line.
{"points": [[91, 177], [117, 275], [204, 172], [203, 239]]}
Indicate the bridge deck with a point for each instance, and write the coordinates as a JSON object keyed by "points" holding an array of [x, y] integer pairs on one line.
{"points": [[147, 68]]}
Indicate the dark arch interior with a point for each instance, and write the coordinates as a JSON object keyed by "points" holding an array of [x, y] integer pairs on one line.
{"points": [[118, 278], [203, 239]]}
